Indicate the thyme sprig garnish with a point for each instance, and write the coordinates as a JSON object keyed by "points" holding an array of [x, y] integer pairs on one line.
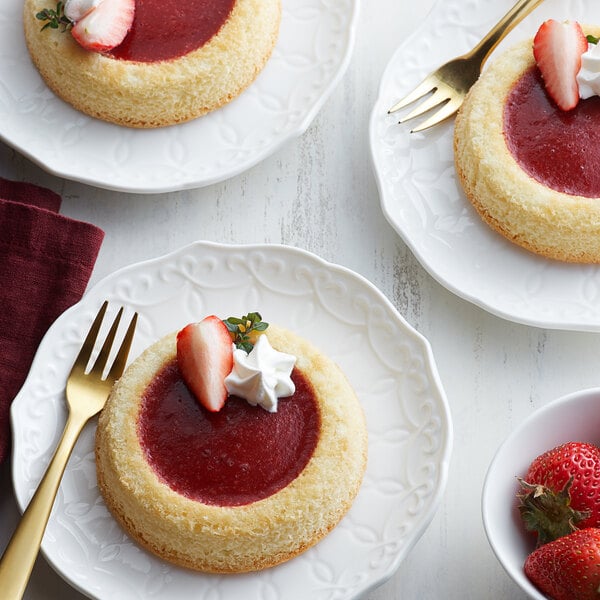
{"points": [[56, 18], [241, 328]]}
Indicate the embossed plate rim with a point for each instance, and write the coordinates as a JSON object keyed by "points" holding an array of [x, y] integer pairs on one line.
{"points": [[338, 302], [424, 201], [205, 150]]}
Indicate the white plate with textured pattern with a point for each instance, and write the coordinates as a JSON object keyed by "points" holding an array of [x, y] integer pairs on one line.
{"points": [[422, 198], [389, 364], [311, 54]]}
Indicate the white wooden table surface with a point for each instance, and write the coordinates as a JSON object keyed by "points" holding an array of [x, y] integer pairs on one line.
{"points": [[318, 193]]}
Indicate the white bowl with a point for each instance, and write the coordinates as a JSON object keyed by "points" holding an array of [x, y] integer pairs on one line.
{"points": [[575, 417]]}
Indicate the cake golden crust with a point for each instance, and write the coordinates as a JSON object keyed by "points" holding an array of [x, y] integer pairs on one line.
{"points": [[550, 223], [157, 94], [228, 539]]}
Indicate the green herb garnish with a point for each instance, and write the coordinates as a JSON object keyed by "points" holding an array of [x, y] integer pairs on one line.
{"points": [[592, 39], [56, 18], [241, 329]]}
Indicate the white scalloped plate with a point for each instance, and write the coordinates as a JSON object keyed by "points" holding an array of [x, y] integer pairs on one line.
{"points": [[311, 55], [423, 201], [389, 364]]}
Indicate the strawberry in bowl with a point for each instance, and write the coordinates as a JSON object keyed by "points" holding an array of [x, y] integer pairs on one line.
{"points": [[529, 453], [560, 503], [561, 491], [569, 567]]}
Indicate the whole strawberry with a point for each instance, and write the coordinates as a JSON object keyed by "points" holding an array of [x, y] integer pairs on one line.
{"points": [[568, 568], [561, 491]]}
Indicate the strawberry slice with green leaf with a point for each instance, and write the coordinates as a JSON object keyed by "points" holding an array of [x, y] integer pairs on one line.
{"points": [[105, 26], [205, 358], [557, 49]]}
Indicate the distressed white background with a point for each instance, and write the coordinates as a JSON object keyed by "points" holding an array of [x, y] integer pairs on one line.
{"points": [[318, 193]]}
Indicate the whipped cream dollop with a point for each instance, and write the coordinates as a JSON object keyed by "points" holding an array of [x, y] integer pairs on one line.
{"points": [[262, 376], [75, 10], [588, 77]]}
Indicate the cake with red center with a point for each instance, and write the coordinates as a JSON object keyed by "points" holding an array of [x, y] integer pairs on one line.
{"points": [[525, 144], [150, 63], [230, 446]]}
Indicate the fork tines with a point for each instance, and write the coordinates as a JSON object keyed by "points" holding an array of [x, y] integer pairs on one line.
{"points": [[100, 364], [442, 96]]}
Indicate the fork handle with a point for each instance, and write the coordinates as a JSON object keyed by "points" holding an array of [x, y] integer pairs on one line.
{"points": [[514, 16], [22, 550]]}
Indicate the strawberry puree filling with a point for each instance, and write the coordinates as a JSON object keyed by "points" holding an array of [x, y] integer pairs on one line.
{"points": [[238, 455], [169, 29], [557, 148]]}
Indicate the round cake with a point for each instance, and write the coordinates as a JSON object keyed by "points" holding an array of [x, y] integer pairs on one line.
{"points": [[236, 490], [180, 59], [530, 169]]}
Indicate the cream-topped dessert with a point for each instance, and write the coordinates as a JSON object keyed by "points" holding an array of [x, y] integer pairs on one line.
{"points": [[219, 483], [524, 145], [172, 61]]}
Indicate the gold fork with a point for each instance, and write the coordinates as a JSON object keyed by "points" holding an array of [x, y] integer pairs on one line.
{"points": [[86, 392], [451, 82]]}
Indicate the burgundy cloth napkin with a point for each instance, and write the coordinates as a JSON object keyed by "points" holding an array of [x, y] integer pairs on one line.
{"points": [[46, 260]]}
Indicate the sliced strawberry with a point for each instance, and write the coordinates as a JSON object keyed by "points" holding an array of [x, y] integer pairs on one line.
{"points": [[205, 358], [105, 26], [557, 48]]}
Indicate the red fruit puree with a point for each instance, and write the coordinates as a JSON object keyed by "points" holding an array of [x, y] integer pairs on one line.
{"points": [[238, 455], [557, 148], [168, 29]]}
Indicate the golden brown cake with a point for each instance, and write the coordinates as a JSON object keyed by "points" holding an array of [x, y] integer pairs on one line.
{"points": [[157, 78], [530, 169], [230, 523]]}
